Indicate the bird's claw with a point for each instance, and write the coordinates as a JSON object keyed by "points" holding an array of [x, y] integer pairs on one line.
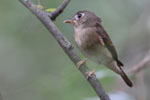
{"points": [[80, 63], [90, 73]]}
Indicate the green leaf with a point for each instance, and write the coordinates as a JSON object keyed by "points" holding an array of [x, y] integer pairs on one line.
{"points": [[50, 9]]}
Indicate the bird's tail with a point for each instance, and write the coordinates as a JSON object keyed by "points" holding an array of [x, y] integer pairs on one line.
{"points": [[125, 78], [118, 69]]}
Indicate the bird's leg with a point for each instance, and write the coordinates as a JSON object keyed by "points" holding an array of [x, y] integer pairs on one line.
{"points": [[89, 73], [80, 63]]}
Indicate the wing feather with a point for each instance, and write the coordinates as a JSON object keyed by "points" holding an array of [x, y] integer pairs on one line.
{"points": [[107, 42]]}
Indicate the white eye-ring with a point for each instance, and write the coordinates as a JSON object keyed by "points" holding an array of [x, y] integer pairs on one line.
{"points": [[78, 16]]}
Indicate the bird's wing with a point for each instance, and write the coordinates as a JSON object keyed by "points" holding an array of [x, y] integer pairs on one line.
{"points": [[105, 39]]}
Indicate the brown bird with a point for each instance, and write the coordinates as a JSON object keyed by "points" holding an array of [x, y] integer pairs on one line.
{"points": [[95, 44]]}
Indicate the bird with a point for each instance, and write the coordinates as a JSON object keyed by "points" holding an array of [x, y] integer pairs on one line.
{"points": [[95, 44]]}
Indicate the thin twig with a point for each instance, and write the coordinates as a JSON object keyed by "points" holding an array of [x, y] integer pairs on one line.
{"points": [[141, 65], [59, 10], [66, 45]]}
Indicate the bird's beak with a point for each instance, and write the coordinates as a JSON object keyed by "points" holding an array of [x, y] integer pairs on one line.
{"points": [[69, 21]]}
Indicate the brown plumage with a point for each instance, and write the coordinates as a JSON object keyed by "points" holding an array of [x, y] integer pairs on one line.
{"points": [[94, 42]]}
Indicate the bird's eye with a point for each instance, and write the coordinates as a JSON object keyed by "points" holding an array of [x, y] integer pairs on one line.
{"points": [[78, 16]]}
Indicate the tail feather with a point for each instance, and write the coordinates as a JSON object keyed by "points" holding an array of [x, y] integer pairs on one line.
{"points": [[116, 67], [125, 78], [119, 63]]}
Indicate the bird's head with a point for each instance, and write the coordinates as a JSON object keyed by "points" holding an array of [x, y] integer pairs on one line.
{"points": [[83, 19]]}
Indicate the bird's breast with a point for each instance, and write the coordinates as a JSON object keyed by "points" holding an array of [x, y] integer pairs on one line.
{"points": [[85, 37]]}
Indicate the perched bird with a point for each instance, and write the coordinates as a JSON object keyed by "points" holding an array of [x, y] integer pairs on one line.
{"points": [[95, 44]]}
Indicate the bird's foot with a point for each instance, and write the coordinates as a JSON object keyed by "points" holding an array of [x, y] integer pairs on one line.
{"points": [[90, 73], [80, 63]]}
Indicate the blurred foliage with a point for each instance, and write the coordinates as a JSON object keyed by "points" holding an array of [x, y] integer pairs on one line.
{"points": [[32, 64], [50, 9]]}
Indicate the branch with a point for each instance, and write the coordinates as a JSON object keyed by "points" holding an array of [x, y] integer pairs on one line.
{"points": [[59, 10], [66, 45], [141, 65]]}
